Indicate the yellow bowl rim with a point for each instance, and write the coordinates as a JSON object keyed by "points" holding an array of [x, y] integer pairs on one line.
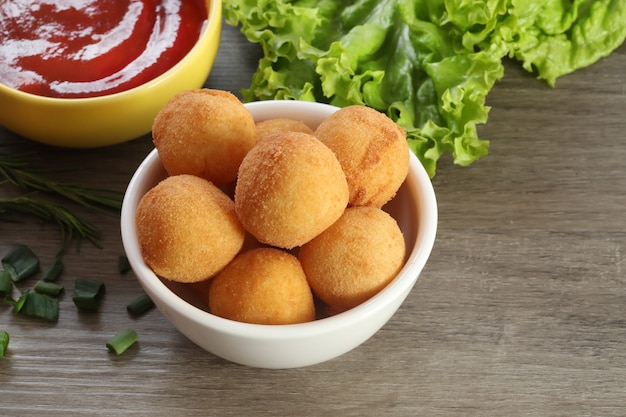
{"points": [[214, 16]]}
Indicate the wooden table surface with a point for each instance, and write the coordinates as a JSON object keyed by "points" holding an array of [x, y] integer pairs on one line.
{"points": [[520, 311]]}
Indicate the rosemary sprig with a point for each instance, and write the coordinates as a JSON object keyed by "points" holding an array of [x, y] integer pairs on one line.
{"points": [[72, 227], [15, 169]]}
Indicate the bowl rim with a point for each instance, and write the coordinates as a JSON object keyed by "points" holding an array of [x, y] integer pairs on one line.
{"points": [[419, 184], [214, 16]]}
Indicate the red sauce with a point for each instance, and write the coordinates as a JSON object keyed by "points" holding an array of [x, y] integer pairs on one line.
{"points": [[87, 48]]}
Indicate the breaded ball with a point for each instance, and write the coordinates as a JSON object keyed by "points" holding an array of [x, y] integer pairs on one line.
{"points": [[354, 258], [205, 133], [372, 150], [268, 127], [290, 188], [262, 286], [187, 229]]}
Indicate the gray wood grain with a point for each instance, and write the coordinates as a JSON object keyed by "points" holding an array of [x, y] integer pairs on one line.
{"points": [[521, 310]]}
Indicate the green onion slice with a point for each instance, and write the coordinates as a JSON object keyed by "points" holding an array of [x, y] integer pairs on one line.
{"points": [[19, 303], [123, 264], [41, 306], [53, 271], [88, 293], [6, 283], [140, 305], [122, 341], [4, 343], [20, 262], [49, 288]]}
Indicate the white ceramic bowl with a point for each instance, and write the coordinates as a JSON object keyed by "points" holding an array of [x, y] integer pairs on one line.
{"points": [[296, 345]]}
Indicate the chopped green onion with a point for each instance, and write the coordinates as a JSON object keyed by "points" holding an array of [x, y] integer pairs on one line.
{"points": [[53, 271], [41, 306], [122, 341], [123, 264], [88, 293], [19, 303], [49, 288], [20, 262], [6, 283], [4, 343], [140, 305]]}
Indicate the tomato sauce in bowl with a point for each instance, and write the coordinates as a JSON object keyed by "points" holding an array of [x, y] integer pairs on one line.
{"points": [[90, 48]]}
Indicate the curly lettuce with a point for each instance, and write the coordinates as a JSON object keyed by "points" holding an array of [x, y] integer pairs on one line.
{"points": [[428, 65]]}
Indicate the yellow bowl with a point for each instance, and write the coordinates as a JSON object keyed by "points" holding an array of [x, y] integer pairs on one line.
{"points": [[111, 119]]}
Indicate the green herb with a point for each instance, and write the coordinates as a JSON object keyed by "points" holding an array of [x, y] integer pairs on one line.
{"points": [[123, 264], [4, 343], [41, 306], [19, 303], [49, 288], [20, 262], [6, 283], [428, 65], [122, 341], [140, 305], [53, 271], [88, 293], [72, 227], [16, 169]]}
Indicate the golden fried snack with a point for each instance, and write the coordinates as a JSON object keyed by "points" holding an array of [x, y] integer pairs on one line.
{"points": [[187, 229], [289, 189], [262, 286], [372, 150], [268, 127], [205, 133], [355, 258]]}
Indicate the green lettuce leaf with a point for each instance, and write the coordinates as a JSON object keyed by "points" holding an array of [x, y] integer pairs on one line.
{"points": [[556, 37], [427, 65]]}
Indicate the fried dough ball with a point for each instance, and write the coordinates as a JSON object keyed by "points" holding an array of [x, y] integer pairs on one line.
{"points": [[268, 127], [289, 189], [204, 132], [187, 229], [262, 286], [354, 258], [372, 150]]}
